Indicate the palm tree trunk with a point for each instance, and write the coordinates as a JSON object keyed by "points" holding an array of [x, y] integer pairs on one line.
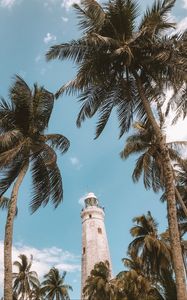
{"points": [[8, 291], [177, 256]]}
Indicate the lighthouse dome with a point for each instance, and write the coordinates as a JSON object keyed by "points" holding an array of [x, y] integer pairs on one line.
{"points": [[91, 200]]}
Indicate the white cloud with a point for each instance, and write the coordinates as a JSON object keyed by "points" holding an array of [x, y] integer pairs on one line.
{"points": [[38, 58], [81, 200], [43, 259], [182, 25], [175, 132], [65, 19], [49, 38], [184, 3], [68, 3], [75, 162], [7, 3]]}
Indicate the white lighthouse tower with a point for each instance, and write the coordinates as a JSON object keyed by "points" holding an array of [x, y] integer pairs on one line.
{"points": [[94, 239]]}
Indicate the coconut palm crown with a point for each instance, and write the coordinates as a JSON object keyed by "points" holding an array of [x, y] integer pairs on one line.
{"points": [[115, 55], [98, 285], [23, 144], [24, 279], [23, 141], [53, 286]]}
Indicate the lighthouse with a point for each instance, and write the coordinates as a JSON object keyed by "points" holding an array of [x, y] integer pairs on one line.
{"points": [[94, 238]]}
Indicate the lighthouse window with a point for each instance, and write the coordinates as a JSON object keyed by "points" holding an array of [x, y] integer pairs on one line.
{"points": [[99, 230], [84, 250], [90, 216]]}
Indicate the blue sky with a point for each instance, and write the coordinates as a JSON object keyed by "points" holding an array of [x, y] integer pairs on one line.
{"points": [[28, 28]]}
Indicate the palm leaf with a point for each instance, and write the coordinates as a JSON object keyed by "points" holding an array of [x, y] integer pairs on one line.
{"points": [[91, 15], [20, 95], [58, 141], [43, 102], [41, 183]]}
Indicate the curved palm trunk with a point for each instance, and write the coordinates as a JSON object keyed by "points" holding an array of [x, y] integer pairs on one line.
{"points": [[177, 256], [8, 291]]}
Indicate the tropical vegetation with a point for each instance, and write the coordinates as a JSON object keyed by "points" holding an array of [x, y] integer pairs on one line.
{"points": [[26, 284], [148, 274], [23, 144], [126, 63]]}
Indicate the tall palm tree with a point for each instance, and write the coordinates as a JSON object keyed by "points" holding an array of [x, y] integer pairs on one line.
{"points": [[23, 143], [53, 286], [98, 285], [24, 280], [126, 65], [152, 248]]}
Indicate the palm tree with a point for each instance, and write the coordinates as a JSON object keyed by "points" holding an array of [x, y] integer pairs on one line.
{"points": [[126, 66], [53, 286], [24, 280], [98, 285], [135, 284], [149, 163], [152, 248], [132, 285], [24, 143]]}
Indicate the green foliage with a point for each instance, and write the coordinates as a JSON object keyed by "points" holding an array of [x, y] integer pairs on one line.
{"points": [[98, 285], [23, 122], [113, 50], [53, 286], [150, 162], [25, 280]]}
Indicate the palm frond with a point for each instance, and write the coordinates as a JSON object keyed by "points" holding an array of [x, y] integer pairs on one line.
{"points": [[4, 203], [91, 99], [104, 114], [91, 15], [126, 12], [58, 141], [156, 18], [43, 102], [56, 186], [41, 183], [74, 50], [20, 95], [9, 174], [10, 139], [7, 115]]}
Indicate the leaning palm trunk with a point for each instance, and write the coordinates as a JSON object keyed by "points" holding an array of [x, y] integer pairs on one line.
{"points": [[8, 291], [177, 257]]}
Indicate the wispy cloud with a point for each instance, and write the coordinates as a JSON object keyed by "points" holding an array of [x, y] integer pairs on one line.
{"points": [[49, 38], [7, 3], [174, 132], [184, 3], [182, 25], [81, 199], [65, 19], [38, 58], [75, 162], [43, 259]]}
